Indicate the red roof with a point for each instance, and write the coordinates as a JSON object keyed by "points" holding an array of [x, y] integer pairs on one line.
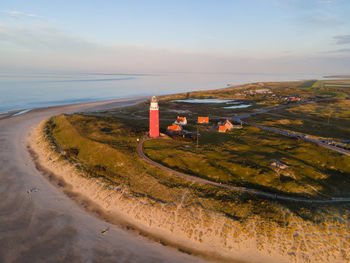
{"points": [[174, 127], [222, 128], [181, 119], [203, 119]]}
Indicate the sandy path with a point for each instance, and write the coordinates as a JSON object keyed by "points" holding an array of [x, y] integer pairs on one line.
{"points": [[47, 226]]}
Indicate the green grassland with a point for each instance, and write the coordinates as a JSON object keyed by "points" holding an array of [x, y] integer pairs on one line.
{"points": [[243, 158], [103, 145], [339, 88], [327, 119], [105, 148]]}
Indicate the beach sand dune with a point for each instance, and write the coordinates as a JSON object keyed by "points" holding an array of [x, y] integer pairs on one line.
{"points": [[38, 223]]}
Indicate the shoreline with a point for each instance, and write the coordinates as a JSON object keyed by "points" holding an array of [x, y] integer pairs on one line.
{"points": [[92, 196], [83, 191], [104, 102], [38, 221], [148, 218]]}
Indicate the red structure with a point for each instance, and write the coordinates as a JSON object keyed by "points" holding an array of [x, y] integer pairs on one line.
{"points": [[203, 120], [154, 118], [174, 128]]}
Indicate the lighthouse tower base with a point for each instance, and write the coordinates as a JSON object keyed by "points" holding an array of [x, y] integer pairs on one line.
{"points": [[153, 123], [154, 118]]}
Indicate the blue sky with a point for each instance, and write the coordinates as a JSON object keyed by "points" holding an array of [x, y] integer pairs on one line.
{"points": [[267, 36]]}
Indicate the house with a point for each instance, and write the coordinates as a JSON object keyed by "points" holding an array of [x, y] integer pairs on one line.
{"points": [[181, 121], [174, 128], [203, 120], [224, 126]]}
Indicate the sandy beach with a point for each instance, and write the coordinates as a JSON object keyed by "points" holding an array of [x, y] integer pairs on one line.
{"points": [[168, 224], [39, 223], [50, 213]]}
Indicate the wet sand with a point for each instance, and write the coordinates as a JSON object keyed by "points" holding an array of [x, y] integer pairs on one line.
{"points": [[38, 223]]}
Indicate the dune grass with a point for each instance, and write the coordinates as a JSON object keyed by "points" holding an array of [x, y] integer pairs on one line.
{"points": [[101, 148]]}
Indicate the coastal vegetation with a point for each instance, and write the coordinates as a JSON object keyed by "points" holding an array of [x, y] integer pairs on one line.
{"points": [[328, 119], [103, 146], [243, 157]]}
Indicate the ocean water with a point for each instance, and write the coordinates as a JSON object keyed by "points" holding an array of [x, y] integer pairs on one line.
{"points": [[28, 91]]}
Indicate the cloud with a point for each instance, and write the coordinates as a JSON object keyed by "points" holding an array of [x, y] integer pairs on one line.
{"points": [[323, 19], [325, 1], [46, 48], [41, 37], [342, 39], [18, 14], [343, 50], [316, 13]]}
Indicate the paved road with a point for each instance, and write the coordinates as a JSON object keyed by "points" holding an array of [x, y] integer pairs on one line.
{"points": [[234, 188]]}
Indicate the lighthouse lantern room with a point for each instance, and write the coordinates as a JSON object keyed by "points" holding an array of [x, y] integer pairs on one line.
{"points": [[154, 118]]}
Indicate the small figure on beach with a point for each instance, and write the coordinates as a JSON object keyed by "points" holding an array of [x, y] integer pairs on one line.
{"points": [[105, 231], [33, 189]]}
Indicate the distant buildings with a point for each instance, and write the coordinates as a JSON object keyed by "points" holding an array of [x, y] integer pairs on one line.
{"points": [[203, 120]]}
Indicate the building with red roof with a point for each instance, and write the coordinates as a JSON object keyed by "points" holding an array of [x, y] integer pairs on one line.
{"points": [[174, 128], [181, 121], [222, 128], [203, 120]]}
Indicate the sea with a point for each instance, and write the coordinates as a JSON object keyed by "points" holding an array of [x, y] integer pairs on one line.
{"points": [[27, 91]]}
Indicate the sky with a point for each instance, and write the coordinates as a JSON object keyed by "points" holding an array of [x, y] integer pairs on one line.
{"points": [[149, 36]]}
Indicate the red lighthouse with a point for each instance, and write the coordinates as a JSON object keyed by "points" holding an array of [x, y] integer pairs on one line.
{"points": [[154, 118]]}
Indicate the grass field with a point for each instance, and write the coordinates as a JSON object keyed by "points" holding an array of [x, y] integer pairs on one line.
{"points": [[103, 145], [328, 119], [244, 158], [105, 148], [339, 88]]}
